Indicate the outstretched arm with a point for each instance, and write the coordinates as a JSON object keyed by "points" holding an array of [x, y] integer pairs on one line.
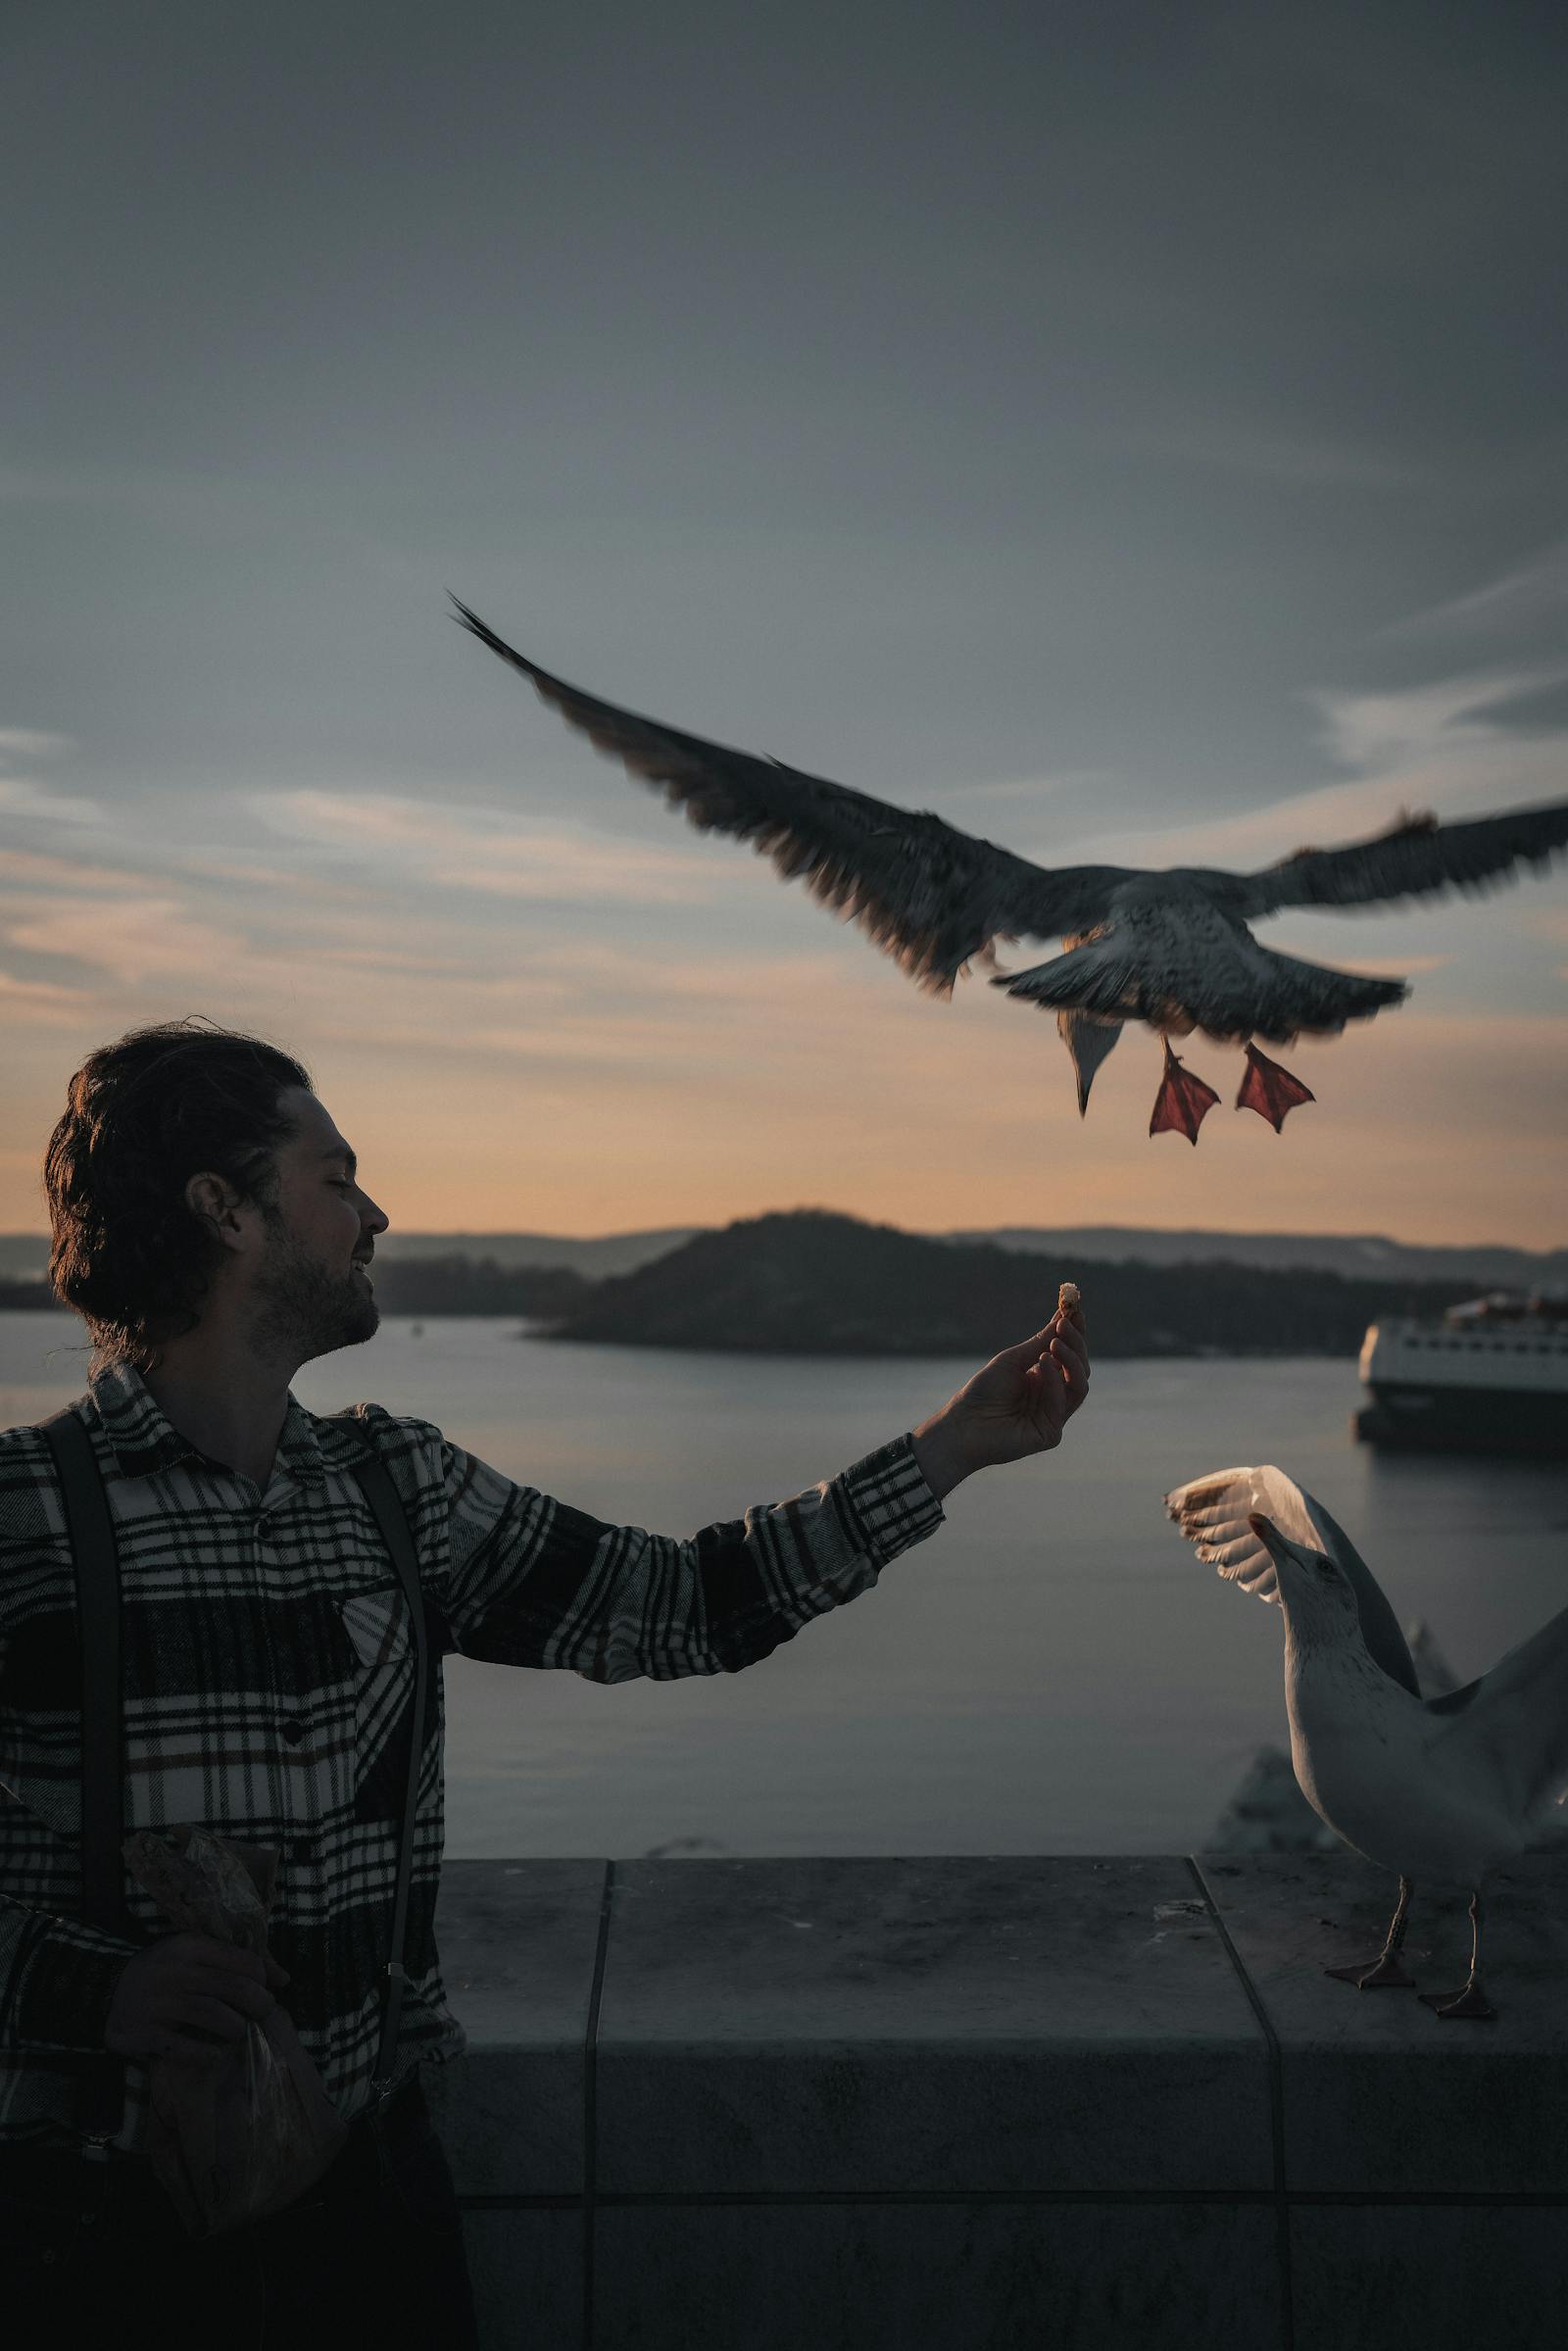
{"points": [[535, 1583]]}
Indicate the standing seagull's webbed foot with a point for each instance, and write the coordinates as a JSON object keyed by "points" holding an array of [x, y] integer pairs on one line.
{"points": [[1470, 2001], [1182, 1100], [1269, 1090], [1386, 1973]]}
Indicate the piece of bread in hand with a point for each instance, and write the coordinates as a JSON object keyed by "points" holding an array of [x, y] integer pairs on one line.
{"points": [[1070, 1304]]}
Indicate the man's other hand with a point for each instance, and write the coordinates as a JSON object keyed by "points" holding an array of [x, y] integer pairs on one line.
{"points": [[1018, 1404], [189, 1997]]}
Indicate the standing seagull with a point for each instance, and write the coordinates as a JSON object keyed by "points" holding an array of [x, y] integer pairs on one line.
{"points": [[1171, 950], [1447, 1787]]}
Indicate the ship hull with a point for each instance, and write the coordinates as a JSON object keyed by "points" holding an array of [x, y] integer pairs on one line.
{"points": [[1479, 1420]]}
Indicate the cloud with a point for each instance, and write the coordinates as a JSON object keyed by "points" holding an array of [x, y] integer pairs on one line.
{"points": [[1373, 731], [466, 848], [1515, 600], [135, 941], [30, 743], [1422, 748], [24, 797], [36, 866], [42, 1001]]}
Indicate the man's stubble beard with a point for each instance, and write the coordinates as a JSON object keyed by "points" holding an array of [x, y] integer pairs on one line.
{"points": [[304, 1310]]}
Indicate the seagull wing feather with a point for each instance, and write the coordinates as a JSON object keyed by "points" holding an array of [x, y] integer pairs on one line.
{"points": [[1417, 859], [1213, 1512], [1515, 1719], [929, 896]]}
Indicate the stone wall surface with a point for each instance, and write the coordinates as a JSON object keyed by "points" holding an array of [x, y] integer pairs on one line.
{"points": [[947, 2104]]}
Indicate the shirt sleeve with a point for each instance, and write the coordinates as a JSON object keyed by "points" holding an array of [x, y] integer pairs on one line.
{"points": [[57, 1980], [536, 1583]]}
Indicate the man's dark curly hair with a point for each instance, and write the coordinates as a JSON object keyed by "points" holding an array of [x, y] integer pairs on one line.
{"points": [[144, 1116]]}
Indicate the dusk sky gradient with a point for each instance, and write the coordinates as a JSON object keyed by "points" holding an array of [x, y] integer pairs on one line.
{"points": [[1136, 433]]}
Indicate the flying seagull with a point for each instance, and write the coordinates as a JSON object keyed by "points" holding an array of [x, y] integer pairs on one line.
{"points": [[1170, 949], [1446, 1788]]}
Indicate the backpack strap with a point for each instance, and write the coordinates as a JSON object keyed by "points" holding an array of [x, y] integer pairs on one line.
{"points": [[386, 1506], [95, 1559]]}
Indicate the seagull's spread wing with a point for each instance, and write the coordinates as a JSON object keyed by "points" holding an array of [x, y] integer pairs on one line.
{"points": [[1212, 1514], [1170, 956], [930, 895], [1515, 1719], [1418, 859]]}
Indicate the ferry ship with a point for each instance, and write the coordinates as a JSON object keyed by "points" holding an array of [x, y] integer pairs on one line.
{"points": [[1492, 1377]]}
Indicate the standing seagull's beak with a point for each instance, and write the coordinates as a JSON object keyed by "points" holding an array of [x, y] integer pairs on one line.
{"points": [[1182, 1100]]}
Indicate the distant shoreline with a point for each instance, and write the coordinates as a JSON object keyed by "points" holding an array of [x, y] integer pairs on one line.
{"points": [[808, 1283]]}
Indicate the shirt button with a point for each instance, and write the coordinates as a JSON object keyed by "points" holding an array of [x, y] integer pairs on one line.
{"points": [[293, 1729]]}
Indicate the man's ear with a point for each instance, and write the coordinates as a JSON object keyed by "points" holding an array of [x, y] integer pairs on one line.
{"points": [[216, 1204]]}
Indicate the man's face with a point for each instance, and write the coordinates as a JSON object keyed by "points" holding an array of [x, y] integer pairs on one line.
{"points": [[311, 1287]]}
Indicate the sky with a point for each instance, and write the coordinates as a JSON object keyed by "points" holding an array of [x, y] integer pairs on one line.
{"points": [[1136, 433]]}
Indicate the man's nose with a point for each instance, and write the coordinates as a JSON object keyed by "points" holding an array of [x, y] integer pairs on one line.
{"points": [[373, 1219]]}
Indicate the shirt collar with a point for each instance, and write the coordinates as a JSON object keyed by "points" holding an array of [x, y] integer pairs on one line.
{"points": [[145, 1439]]}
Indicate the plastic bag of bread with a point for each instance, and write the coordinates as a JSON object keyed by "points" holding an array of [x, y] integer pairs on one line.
{"points": [[247, 2131]]}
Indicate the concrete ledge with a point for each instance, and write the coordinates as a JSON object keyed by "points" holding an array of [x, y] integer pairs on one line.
{"points": [[943, 2103], [865, 2026]]}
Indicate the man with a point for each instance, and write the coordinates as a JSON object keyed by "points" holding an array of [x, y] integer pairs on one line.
{"points": [[210, 1224]]}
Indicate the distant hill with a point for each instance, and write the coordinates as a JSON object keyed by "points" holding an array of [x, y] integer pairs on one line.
{"points": [[458, 1273], [614, 1252], [1369, 1254], [24, 1256], [811, 1282]]}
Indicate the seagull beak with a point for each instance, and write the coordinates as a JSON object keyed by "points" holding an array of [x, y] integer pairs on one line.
{"points": [[1268, 1534]]}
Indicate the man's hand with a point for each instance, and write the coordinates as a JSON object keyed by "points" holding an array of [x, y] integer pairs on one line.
{"points": [[1017, 1404], [189, 1997]]}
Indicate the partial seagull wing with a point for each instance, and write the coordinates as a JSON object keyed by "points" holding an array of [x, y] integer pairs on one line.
{"points": [[1515, 1719], [1212, 1514], [929, 896], [1179, 962], [1417, 859]]}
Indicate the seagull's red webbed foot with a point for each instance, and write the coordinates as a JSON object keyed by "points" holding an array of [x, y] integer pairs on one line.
{"points": [[1269, 1090], [1182, 1100]]}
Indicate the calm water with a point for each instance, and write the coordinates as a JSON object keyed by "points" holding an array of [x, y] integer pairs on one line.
{"points": [[1053, 1672]]}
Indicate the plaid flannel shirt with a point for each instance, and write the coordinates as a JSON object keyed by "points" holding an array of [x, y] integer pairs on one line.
{"points": [[268, 1674]]}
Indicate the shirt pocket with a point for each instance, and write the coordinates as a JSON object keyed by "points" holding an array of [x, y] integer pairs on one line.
{"points": [[378, 1626]]}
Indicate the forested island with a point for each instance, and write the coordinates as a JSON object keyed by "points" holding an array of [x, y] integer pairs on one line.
{"points": [[809, 1281]]}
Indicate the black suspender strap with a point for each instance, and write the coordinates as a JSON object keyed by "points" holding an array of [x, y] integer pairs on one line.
{"points": [[91, 1534], [383, 1496]]}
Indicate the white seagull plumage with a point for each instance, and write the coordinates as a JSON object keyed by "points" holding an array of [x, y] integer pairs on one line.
{"points": [[1171, 950], [1444, 1788]]}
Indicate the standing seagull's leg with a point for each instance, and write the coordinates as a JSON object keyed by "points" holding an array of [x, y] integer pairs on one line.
{"points": [[1471, 2001], [1182, 1101], [1269, 1090], [1386, 1973]]}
